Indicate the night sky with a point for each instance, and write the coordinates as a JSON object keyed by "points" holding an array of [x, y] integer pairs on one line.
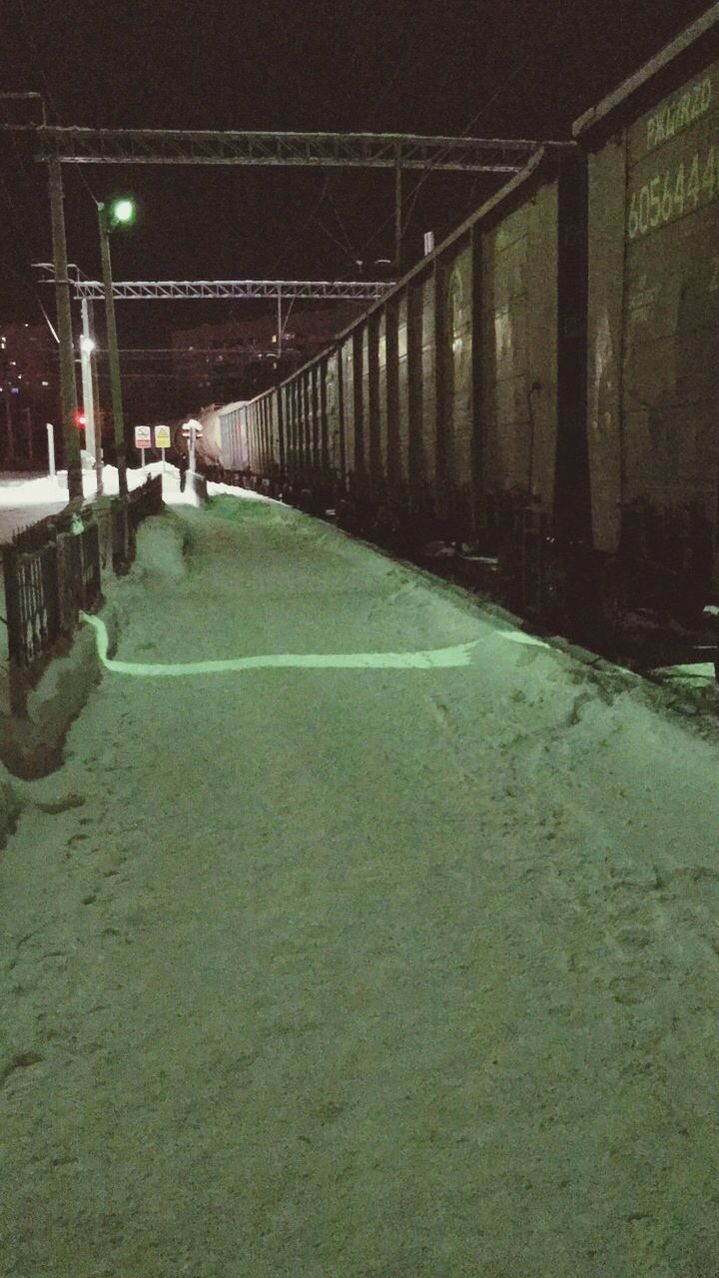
{"points": [[522, 68]]}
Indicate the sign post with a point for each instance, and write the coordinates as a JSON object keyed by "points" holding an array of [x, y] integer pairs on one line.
{"points": [[143, 440], [191, 430], [162, 441]]}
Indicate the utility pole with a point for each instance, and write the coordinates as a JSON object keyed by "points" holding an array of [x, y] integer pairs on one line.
{"points": [[398, 213], [112, 352], [68, 388], [97, 406], [28, 419], [279, 322]]}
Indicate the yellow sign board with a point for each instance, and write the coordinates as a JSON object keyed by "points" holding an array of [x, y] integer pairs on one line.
{"points": [[162, 437]]}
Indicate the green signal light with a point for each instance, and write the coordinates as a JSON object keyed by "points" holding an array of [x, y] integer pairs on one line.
{"points": [[123, 211]]}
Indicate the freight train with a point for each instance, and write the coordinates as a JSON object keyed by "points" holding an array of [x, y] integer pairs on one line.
{"points": [[540, 395]]}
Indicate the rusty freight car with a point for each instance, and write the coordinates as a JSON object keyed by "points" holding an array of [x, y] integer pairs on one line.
{"points": [[653, 331], [454, 407], [545, 385]]}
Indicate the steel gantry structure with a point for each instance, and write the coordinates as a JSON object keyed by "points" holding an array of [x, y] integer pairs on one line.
{"points": [[58, 145], [283, 290], [345, 150]]}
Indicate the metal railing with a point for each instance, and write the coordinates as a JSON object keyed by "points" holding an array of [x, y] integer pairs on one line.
{"points": [[145, 501], [45, 588], [53, 569]]}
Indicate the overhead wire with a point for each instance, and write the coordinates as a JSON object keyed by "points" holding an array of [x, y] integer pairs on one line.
{"points": [[432, 166], [23, 233], [48, 90]]}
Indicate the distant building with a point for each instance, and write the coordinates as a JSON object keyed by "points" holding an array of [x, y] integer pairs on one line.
{"points": [[240, 358], [29, 391]]}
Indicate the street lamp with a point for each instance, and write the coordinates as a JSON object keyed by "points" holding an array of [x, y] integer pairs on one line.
{"points": [[92, 443], [119, 213]]}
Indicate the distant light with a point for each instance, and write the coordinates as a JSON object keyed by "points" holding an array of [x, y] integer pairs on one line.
{"points": [[14, 390], [86, 344], [44, 383]]}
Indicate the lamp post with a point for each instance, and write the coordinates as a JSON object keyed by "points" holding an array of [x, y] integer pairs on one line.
{"points": [[87, 346], [68, 388], [119, 213]]}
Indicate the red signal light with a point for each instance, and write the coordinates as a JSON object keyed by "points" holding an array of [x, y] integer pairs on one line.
{"points": [[80, 420]]}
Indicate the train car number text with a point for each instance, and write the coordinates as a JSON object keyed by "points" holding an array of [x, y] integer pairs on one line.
{"points": [[670, 195]]}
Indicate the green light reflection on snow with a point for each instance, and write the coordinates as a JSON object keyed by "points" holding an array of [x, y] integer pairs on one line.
{"points": [[432, 659]]}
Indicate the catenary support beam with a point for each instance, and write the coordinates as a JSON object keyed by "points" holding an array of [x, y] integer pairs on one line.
{"points": [[346, 150], [127, 290]]}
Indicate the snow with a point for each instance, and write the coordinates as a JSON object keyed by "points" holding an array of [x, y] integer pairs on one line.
{"points": [[349, 972], [24, 500]]}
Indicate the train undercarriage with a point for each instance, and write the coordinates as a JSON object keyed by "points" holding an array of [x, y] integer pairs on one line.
{"points": [[645, 607]]}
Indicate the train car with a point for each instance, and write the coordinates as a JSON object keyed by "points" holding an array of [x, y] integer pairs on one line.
{"points": [[232, 424], [653, 330], [545, 385], [463, 390], [455, 407]]}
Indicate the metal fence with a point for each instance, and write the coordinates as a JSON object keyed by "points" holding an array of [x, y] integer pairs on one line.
{"points": [[53, 569], [145, 501], [46, 587], [127, 516]]}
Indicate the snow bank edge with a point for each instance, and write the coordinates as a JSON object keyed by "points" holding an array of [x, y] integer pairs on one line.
{"points": [[31, 746]]}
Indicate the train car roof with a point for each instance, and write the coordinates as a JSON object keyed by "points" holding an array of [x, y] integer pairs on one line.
{"points": [[682, 58], [230, 408]]}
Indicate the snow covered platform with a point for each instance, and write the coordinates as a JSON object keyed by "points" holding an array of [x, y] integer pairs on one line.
{"points": [[372, 966]]}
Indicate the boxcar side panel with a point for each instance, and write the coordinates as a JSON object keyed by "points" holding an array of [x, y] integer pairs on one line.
{"points": [[416, 466], [456, 406], [362, 388], [428, 384], [542, 273], [373, 406], [291, 391], [402, 394], [322, 387], [670, 384], [604, 340], [304, 423], [393, 465], [314, 418], [381, 455], [233, 439], [334, 451], [348, 410], [360, 355], [274, 430], [506, 424]]}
